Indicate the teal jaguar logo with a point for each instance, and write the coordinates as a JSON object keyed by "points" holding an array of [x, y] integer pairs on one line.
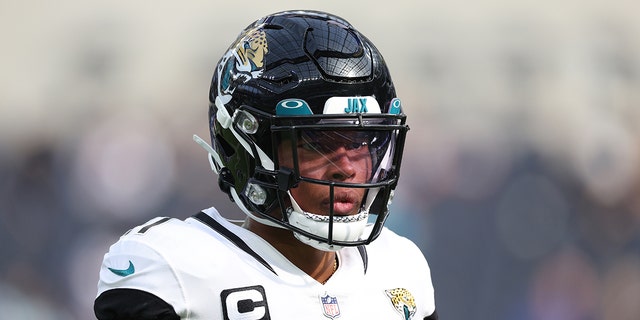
{"points": [[243, 62]]}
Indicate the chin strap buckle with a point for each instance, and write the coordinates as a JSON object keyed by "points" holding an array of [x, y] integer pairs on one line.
{"points": [[286, 179]]}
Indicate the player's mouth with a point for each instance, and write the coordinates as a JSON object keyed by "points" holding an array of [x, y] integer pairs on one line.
{"points": [[343, 204]]}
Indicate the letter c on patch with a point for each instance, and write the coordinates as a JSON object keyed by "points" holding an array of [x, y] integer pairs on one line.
{"points": [[247, 303]]}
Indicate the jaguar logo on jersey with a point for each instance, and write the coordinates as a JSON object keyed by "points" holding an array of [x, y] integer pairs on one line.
{"points": [[330, 306], [403, 301], [243, 62], [246, 303]]}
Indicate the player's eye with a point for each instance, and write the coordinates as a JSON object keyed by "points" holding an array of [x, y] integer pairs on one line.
{"points": [[310, 146], [356, 145]]}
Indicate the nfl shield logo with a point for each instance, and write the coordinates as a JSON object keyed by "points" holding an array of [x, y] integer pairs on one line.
{"points": [[330, 306]]}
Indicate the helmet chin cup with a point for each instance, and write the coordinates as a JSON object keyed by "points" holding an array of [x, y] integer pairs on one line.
{"points": [[344, 229]]}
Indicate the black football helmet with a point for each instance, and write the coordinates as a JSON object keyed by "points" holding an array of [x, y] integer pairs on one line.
{"points": [[295, 87]]}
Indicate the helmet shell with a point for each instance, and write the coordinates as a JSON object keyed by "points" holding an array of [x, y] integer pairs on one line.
{"points": [[310, 55], [307, 55]]}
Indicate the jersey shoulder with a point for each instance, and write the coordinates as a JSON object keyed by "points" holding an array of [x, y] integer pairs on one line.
{"points": [[145, 254], [164, 257], [162, 248], [171, 259]]}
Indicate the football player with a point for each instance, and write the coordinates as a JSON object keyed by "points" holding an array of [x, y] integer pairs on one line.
{"points": [[307, 139]]}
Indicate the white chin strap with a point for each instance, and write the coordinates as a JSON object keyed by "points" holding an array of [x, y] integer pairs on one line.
{"points": [[345, 228]]}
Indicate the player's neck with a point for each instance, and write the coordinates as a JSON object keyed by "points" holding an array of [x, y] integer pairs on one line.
{"points": [[318, 264]]}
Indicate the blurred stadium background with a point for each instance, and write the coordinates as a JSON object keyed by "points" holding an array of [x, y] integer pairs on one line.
{"points": [[521, 176]]}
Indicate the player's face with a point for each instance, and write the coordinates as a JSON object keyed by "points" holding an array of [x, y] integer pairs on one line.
{"points": [[338, 156]]}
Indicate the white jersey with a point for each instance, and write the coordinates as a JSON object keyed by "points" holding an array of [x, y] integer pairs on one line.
{"points": [[208, 268]]}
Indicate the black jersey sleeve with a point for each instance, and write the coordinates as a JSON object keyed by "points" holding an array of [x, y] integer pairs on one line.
{"points": [[433, 316], [130, 304]]}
